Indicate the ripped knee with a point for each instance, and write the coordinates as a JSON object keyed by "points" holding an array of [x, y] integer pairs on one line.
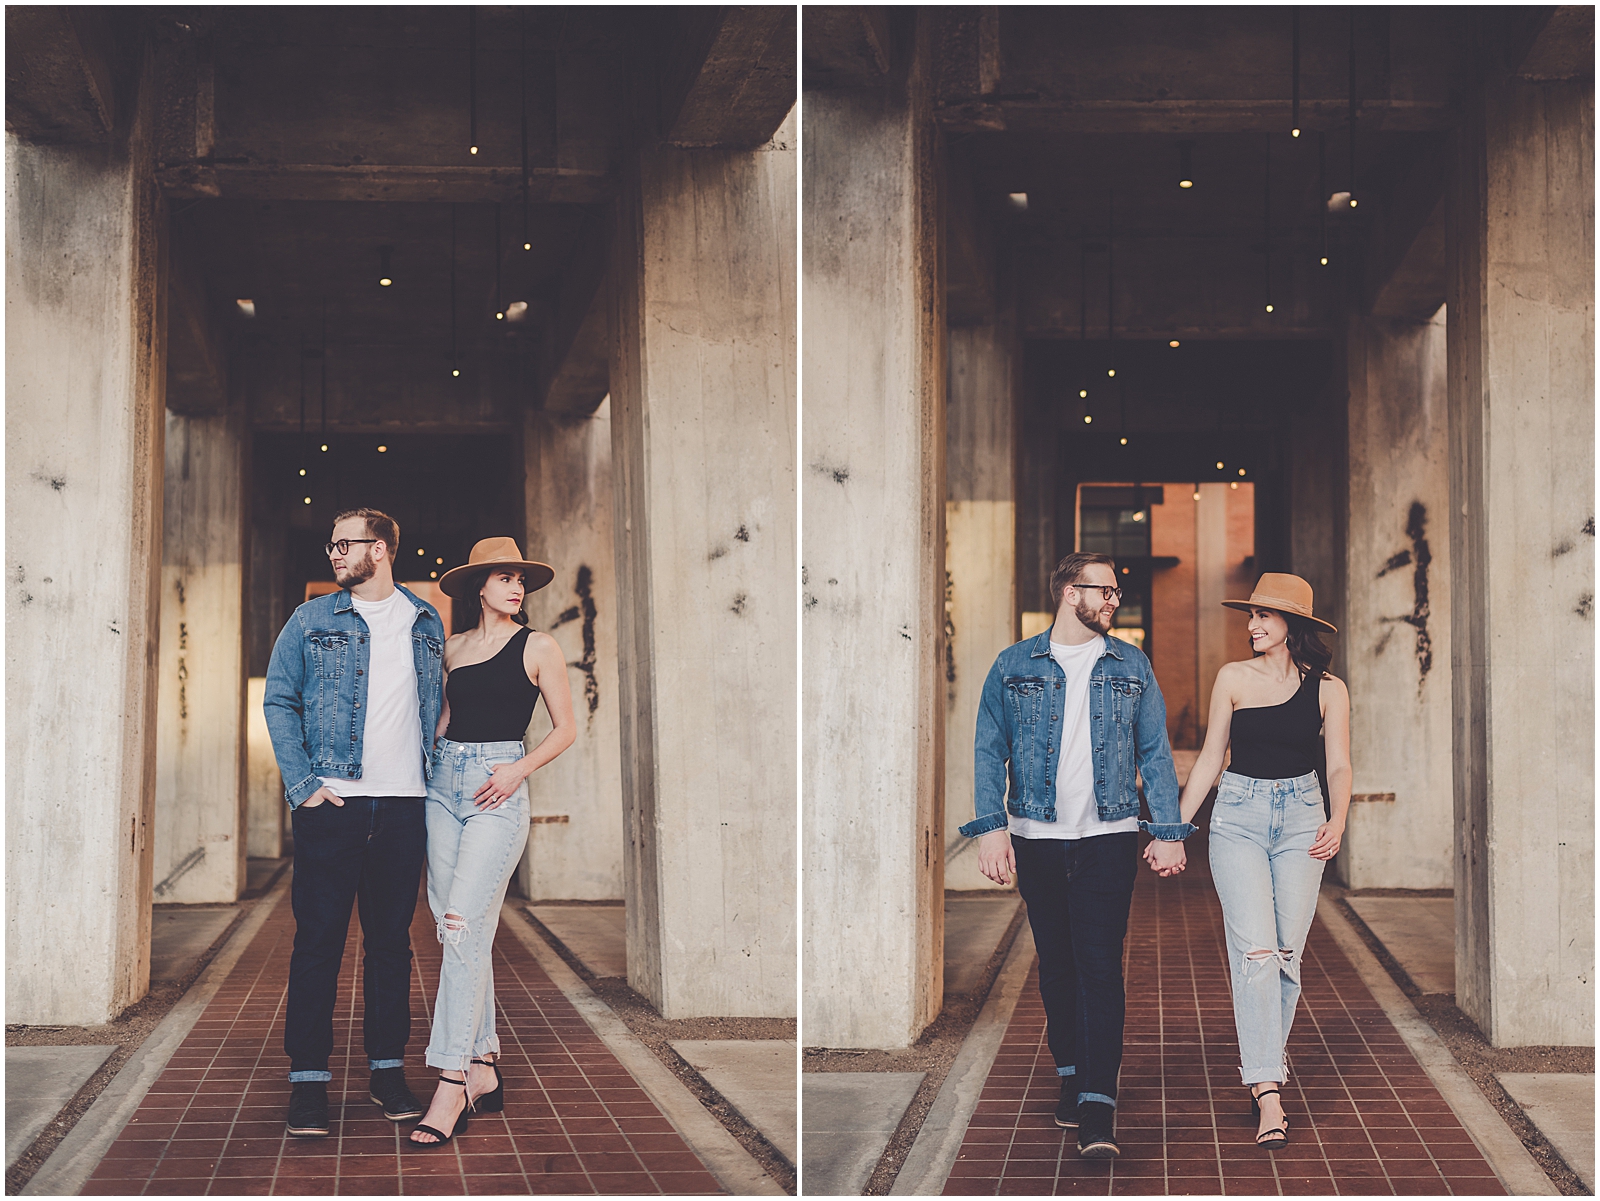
{"points": [[452, 928], [1288, 961]]}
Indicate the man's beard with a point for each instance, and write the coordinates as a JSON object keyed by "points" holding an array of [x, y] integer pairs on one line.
{"points": [[1093, 617], [356, 573]]}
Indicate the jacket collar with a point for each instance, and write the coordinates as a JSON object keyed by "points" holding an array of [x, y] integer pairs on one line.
{"points": [[1041, 645], [344, 601]]}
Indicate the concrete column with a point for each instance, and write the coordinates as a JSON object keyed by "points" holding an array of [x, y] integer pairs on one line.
{"points": [[980, 560], [201, 780], [1521, 416], [575, 842], [1397, 610], [703, 408], [86, 330], [873, 567], [266, 812]]}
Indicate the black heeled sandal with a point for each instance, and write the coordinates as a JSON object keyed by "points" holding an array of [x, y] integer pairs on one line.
{"points": [[1278, 1138], [492, 1102], [440, 1137]]}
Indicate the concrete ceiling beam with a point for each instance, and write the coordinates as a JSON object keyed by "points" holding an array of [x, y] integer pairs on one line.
{"points": [[1197, 116], [1405, 270], [730, 78], [1559, 43], [60, 82], [577, 351], [847, 46], [253, 180]]}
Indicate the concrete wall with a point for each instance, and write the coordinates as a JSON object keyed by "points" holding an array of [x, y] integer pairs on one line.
{"points": [[872, 568], [980, 560], [201, 783], [575, 842], [1520, 239], [704, 413], [266, 812], [85, 333], [1397, 608]]}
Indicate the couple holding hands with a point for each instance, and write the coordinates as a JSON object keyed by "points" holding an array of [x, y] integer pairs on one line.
{"points": [[1070, 716]]}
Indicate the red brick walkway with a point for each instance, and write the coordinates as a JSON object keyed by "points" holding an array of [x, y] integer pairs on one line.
{"points": [[574, 1121], [1364, 1117]]}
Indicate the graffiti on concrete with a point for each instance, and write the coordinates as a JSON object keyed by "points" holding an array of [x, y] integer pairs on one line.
{"points": [[950, 636], [585, 609], [1419, 559]]}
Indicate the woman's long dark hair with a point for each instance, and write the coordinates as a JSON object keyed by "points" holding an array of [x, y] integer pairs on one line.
{"points": [[466, 610], [1306, 648]]}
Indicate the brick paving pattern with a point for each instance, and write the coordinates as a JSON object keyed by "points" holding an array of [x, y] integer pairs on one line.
{"points": [[1364, 1119], [574, 1120]]}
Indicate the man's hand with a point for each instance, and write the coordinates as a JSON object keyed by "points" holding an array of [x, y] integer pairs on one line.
{"points": [[996, 859], [322, 794], [1166, 858]]}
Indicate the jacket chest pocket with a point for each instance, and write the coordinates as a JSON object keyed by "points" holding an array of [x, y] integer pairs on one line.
{"points": [[1124, 695], [328, 653], [1026, 699]]}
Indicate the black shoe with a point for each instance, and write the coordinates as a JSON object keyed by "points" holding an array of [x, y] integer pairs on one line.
{"points": [[1095, 1123], [491, 1102], [1067, 1107], [308, 1109], [388, 1089]]}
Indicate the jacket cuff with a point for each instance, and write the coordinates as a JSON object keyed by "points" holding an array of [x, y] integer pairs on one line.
{"points": [[1167, 831], [302, 791], [985, 825]]}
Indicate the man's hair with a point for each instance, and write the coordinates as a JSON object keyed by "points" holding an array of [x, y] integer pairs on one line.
{"points": [[1070, 571], [379, 525]]}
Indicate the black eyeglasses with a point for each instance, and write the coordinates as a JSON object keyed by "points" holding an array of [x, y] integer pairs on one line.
{"points": [[1106, 591], [343, 545]]}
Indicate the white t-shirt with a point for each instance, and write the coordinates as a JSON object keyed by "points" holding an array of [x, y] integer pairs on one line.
{"points": [[1076, 814], [391, 744]]}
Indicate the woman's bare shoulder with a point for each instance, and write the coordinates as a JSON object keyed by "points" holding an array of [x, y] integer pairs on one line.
{"points": [[540, 644], [1332, 685]]}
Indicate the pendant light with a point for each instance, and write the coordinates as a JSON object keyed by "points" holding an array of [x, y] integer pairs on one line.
{"points": [[527, 241], [1352, 108], [499, 309], [472, 79], [304, 457], [1266, 218], [385, 273], [1294, 76], [455, 358], [1083, 315], [1111, 312], [323, 355], [1185, 168], [1322, 194]]}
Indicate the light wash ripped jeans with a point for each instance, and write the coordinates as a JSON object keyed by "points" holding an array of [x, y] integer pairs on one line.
{"points": [[1267, 883], [471, 855]]}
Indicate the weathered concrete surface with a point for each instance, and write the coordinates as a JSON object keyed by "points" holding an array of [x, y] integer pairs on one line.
{"points": [[974, 924], [265, 808], [575, 842], [759, 1080], [39, 1081], [84, 376], [202, 789], [1397, 609], [1420, 932], [1561, 1105], [596, 934], [849, 1118], [703, 372], [1521, 416], [872, 574], [178, 937], [980, 560]]}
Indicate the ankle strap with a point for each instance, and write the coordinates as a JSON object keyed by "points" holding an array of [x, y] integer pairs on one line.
{"points": [[1270, 1092], [447, 1080]]}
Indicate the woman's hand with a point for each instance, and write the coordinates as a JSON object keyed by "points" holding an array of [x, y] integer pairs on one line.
{"points": [[501, 785], [1326, 844]]}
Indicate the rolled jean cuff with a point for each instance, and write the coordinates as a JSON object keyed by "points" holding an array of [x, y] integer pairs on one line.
{"points": [[303, 1077], [488, 1045], [1069, 1070], [1100, 1097], [1168, 831], [375, 1064], [1253, 1076]]}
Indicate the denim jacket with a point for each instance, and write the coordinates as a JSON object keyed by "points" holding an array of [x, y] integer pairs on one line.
{"points": [[1019, 727], [317, 690]]}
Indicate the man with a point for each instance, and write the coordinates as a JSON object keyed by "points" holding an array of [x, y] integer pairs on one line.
{"points": [[1072, 713], [353, 696]]}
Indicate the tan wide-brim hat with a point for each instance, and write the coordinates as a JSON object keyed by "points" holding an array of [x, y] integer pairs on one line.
{"points": [[1283, 592], [494, 554]]}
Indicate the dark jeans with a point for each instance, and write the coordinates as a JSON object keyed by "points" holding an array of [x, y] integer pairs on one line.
{"points": [[368, 850], [1078, 892]]}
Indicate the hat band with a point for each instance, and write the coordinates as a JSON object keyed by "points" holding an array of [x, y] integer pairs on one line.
{"points": [[1272, 602]]}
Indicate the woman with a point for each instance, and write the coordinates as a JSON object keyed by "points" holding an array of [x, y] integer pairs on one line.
{"points": [[1269, 840], [477, 812]]}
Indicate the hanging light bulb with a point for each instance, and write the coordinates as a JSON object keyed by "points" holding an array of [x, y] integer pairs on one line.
{"points": [[1087, 420], [308, 500], [302, 471], [1174, 344], [1294, 74], [1241, 471], [385, 275], [1197, 491], [1111, 372], [324, 448], [1185, 170], [383, 450], [1122, 441], [1269, 308], [1219, 464], [1083, 394], [455, 372], [472, 79]]}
